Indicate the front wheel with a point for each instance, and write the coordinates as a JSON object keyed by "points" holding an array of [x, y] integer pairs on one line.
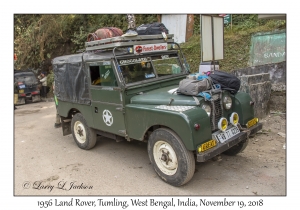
{"points": [[169, 157], [84, 136]]}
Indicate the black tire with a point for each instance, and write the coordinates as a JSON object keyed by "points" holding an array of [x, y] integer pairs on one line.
{"points": [[163, 147], [237, 148], [84, 136]]}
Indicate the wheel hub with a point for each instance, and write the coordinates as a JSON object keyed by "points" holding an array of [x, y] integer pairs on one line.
{"points": [[80, 132], [165, 157]]}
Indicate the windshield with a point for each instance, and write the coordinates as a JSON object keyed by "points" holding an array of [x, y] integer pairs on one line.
{"points": [[26, 78], [145, 68]]}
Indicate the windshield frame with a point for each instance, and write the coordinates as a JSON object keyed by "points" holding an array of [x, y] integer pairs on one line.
{"points": [[174, 54]]}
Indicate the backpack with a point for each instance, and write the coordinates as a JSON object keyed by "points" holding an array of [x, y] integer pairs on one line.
{"points": [[151, 29], [193, 87], [227, 81]]}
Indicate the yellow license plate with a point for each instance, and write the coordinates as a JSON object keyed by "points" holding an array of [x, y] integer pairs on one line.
{"points": [[252, 122], [207, 145], [21, 91]]}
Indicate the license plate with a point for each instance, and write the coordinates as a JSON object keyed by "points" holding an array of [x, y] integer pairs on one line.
{"points": [[208, 145], [252, 122], [224, 136], [21, 91]]}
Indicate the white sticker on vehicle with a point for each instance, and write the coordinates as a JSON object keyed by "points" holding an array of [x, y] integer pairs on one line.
{"points": [[133, 60], [149, 75], [106, 74], [107, 117]]}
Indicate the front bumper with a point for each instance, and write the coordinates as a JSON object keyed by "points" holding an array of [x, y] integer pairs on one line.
{"points": [[221, 147]]}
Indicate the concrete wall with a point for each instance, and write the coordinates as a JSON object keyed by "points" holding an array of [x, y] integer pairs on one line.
{"points": [[260, 81], [277, 73], [259, 88]]}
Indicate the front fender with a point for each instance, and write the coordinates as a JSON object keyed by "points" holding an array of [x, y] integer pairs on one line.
{"points": [[243, 108], [139, 118]]}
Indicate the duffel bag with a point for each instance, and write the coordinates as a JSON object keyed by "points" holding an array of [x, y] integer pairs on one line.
{"points": [[193, 87], [104, 33], [151, 29], [227, 81]]}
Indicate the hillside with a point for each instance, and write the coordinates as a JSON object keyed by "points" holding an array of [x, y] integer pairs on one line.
{"points": [[36, 44], [237, 41]]}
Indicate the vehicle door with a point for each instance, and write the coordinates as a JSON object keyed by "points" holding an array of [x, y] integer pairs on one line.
{"points": [[107, 99]]}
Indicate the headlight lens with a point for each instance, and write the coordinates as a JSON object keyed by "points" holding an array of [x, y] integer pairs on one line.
{"points": [[227, 102], [222, 124], [234, 118], [207, 108]]}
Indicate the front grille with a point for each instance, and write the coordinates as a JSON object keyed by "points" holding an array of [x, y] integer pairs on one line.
{"points": [[216, 111]]}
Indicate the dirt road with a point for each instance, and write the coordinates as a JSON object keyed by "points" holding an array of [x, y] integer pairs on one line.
{"points": [[47, 163]]}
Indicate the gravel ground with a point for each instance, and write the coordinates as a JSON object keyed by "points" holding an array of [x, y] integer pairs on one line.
{"points": [[43, 155]]}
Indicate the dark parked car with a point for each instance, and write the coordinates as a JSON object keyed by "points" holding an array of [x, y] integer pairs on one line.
{"points": [[27, 86]]}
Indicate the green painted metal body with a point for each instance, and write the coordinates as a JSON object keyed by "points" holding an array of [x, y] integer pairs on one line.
{"points": [[65, 109], [131, 111], [242, 106], [140, 117]]}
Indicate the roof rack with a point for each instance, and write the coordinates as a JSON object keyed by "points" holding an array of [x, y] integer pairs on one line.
{"points": [[124, 41]]}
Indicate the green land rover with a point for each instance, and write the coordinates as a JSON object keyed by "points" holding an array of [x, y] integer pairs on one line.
{"points": [[124, 88]]}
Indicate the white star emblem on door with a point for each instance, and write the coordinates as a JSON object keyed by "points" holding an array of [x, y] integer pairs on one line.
{"points": [[107, 117]]}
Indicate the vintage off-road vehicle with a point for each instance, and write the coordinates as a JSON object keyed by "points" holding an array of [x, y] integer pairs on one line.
{"points": [[124, 88]]}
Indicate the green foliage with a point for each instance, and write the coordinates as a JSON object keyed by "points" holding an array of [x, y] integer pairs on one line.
{"points": [[196, 24], [39, 38], [237, 41], [36, 36], [50, 80], [192, 51]]}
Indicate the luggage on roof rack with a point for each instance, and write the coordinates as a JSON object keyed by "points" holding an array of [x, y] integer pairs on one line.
{"points": [[104, 33], [123, 41]]}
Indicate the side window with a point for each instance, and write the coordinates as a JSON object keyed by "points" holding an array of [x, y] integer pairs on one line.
{"points": [[103, 75]]}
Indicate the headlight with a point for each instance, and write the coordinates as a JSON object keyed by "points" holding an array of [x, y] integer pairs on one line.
{"points": [[207, 108], [227, 102], [222, 124], [234, 118]]}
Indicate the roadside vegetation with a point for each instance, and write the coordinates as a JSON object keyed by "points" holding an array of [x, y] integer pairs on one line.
{"points": [[237, 41], [40, 38]]}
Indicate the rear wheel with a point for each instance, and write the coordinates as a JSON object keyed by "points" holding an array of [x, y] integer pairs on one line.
{"points": [[237, 148], [169, 157], [84, 136]]}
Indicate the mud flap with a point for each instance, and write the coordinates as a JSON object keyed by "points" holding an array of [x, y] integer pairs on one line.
{"points": [[66, 126]]}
